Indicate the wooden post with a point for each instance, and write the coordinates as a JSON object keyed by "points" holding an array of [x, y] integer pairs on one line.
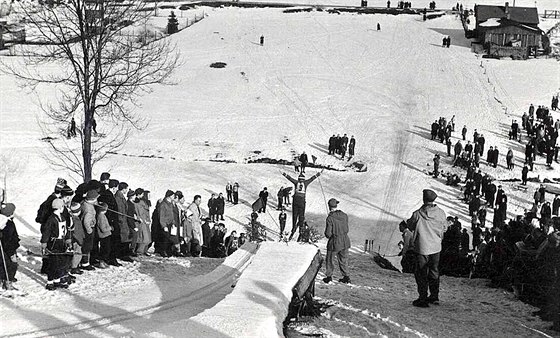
{"points": [[366, 246]]}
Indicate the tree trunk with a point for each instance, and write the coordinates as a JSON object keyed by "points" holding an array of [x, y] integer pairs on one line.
{"points": [[86, 147]]}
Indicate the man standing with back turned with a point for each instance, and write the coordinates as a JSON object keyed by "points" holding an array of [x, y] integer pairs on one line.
{"points": [[428, 224], [339, 243]]}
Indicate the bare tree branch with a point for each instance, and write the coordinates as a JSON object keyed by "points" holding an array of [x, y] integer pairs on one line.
{"points": [[98, 70]]}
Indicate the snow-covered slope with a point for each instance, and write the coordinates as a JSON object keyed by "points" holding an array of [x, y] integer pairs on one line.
{"points": [[318, 74]]}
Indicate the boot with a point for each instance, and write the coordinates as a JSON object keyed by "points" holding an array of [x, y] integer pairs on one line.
{"points": [[345, 280], [327, 280]]}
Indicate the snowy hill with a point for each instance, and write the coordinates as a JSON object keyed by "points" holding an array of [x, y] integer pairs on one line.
{"points": [[317, 74]]}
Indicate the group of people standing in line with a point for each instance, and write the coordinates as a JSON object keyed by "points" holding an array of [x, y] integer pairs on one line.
{"points": [[339, 145], [105, 221]]}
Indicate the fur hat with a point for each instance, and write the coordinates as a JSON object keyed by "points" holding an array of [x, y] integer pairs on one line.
{"points": [[7, 209], [66, 191], [104, 177], [113, 183], [92, 195], [429, 195], [57, 203]]}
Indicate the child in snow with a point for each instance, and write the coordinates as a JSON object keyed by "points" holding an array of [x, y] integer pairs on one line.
{"points": [[55, 238], [104, 231], [9, 240]]}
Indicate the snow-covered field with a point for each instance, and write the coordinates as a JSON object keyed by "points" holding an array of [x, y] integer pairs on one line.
{"points": [[318, 74]]}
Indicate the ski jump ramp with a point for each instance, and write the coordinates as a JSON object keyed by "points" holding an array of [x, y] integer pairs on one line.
{"points": [[261, 297]]}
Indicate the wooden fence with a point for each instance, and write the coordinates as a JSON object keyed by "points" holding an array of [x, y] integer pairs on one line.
{"points": [[551, 14]]}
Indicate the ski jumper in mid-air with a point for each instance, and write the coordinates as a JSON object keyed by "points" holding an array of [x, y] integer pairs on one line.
{"points": [[298, 208]]}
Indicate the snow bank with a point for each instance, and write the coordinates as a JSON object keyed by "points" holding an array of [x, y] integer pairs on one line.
{"points": [[259, 303]]}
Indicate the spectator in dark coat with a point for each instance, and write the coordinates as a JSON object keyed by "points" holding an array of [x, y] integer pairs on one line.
{"points": [[458, 150], [556, 205], [263, 195], [212, 209], [351, 147], [490, 155], [45, 211], [206, 237], [495, 157], [280, 196], [332, 141], [490, 194], [55, 238], [124, 250], [304, 161], [220, 207], [343, 146], [338, 243], [524, 173], [106, 195], [10, 243], [167, 219]]}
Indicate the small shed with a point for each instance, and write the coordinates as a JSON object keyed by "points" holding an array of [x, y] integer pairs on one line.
{"points": [[508, 31]]}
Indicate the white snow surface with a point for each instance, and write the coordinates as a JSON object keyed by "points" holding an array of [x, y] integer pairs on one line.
{"points": [[259, 302], [316, 75]]}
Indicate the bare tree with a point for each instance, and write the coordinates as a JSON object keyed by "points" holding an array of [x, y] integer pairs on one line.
{"points": [[99, 58]]}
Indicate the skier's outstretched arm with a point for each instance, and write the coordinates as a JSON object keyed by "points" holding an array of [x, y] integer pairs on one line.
{"points": [[315, 176], [291, 179]]}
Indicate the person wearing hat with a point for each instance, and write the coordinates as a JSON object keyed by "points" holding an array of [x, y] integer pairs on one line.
{"points": [[235, 192], [123, 251], [55, 238], [89, 222], [263, 195], [428, 224], [195, 219], [78, 235], [161, 231], [9, 239], [338, 242], [107, 196], [45, 210], [298, 200], [143, 233], [104, 233], [220, 207]]}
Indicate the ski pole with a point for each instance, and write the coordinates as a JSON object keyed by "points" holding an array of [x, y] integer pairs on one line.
{"points": [[120, 213], [323, 191]]}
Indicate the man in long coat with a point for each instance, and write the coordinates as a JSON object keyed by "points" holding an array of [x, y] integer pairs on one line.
{"points": [[196, 219], [336, 231]]}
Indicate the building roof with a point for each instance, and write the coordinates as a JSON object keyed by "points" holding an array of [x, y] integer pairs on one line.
{"points": [[524, 15]]}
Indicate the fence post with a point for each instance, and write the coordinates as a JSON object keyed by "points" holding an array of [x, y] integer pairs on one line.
{"points": [[366, 246]]}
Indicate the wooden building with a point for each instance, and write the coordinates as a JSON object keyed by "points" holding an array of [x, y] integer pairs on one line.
{"points": [[508, 31]]}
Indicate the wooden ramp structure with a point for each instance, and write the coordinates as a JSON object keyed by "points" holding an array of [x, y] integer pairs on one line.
{"points": [[280, 274]]}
